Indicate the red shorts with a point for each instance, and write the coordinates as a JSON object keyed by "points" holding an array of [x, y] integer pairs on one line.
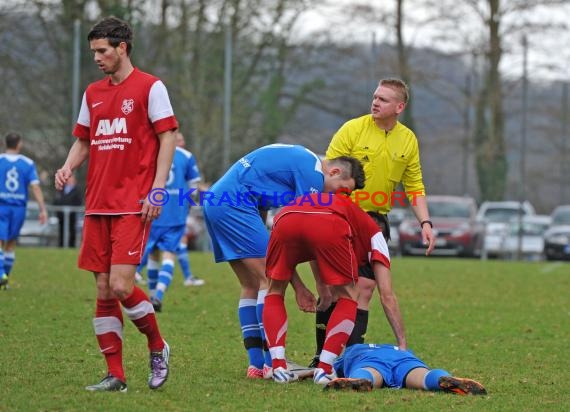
{"points": [[300, 237], [112, 240]]}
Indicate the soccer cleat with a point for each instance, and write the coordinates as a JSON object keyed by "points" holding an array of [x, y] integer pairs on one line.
{"points": [[254, 373], [159, 367], [282, 375], [320, 377], [4, 281], [343, 384], [267, 372], [461, 386], [194, 281], [108, 384], [156, 304], [314, 362]]}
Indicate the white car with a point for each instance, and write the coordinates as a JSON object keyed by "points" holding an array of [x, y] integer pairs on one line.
{"points": [[530, 240]]}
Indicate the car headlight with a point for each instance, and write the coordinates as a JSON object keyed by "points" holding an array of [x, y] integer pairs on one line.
{"points": [[460, 230], [558, 239], [407, 229]]}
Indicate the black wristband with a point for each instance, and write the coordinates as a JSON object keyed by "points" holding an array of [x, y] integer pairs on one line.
{"points": [[424, 222]]}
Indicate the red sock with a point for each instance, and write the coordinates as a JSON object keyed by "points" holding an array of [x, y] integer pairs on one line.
{"points": [[140, 311], [339, 329], [108, 324], [275, 325]]}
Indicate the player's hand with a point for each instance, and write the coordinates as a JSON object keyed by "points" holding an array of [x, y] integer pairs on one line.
{"points": [[149, 212], [305, 299], [428, 238], [61, 177], [325, 296], [43, 217]]}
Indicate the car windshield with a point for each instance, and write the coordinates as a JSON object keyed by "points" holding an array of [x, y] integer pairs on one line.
{"points": [[529, 229], [561, 218], [500, 215], [449, 209]]}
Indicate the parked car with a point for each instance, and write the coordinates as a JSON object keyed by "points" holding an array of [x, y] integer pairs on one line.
{"points": [[531, 237], [496, 217], [557, 237], [395, 218], [455, 226], [33, 233]]}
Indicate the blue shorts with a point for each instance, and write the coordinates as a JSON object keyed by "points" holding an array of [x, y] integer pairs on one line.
{"points": [[11, 221], [392, 363], [237, 232], [165, 238]]}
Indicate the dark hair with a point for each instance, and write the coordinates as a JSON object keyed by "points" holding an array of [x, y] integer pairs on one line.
{"points": [[352, 168], [12, 140], [114, 30]]}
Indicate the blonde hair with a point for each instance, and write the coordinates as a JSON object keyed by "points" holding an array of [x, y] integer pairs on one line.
{"points": [[399, 86]]}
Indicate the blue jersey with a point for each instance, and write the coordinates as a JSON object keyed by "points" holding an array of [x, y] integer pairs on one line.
{"points": [[184, 173], [17, 172], [271, 176], [391, 362]]}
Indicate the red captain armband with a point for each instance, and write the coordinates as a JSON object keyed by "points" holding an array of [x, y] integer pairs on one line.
{"points": [[423, 222]]}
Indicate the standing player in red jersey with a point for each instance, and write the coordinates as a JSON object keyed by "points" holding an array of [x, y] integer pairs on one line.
{"points": [[126, 129], [339, 236]]}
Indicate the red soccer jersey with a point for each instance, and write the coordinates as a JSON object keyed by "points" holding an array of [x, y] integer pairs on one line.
{"points": [[122, 122], [368, 241]]}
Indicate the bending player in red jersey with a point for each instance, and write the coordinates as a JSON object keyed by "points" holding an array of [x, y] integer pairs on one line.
{"points": [[336, 236], [126, 129]]}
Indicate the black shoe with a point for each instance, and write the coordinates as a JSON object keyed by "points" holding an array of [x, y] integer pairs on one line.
{"points": [[156, 304], [315, 362], [461, 386], [109, 384]]}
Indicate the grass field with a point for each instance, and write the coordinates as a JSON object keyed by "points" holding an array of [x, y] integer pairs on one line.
{"points": [[505, 324]]}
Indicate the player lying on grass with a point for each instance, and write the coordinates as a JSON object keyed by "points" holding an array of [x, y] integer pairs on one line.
{"points": [[365, 366]]}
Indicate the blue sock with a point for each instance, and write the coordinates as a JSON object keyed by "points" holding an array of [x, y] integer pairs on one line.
{"points": [[182, 255], [250, 331], [362, 374], [152, 274], [431, 381], [9, 259], [164, 278], [259, 310], [2, 268]]}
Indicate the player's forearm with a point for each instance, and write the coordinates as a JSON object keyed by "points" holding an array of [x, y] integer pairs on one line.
{"points": [[394, 316], [420, 208], [78, 153], [38, 195], [296, 282], [164, 159]]}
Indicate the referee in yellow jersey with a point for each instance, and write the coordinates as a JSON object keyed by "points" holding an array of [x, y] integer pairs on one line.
{"points": [[390, 155]]}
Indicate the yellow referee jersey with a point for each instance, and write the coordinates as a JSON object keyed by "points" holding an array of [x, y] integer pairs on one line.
{"points": [[388, 158]]}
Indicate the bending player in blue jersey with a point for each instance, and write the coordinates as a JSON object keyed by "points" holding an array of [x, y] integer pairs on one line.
{"points": [[166, 232], [270, 176], [365, 366], [17, 173]]}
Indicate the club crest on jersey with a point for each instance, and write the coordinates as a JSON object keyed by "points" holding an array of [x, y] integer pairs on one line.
{"points": [[128, 106]]}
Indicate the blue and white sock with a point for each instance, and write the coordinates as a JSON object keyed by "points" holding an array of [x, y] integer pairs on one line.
{"points": [[9, 259], [183, 260], [2, 269], [259, 310], [164, 278], [431, 380], [152, 274], [250, 331]]}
